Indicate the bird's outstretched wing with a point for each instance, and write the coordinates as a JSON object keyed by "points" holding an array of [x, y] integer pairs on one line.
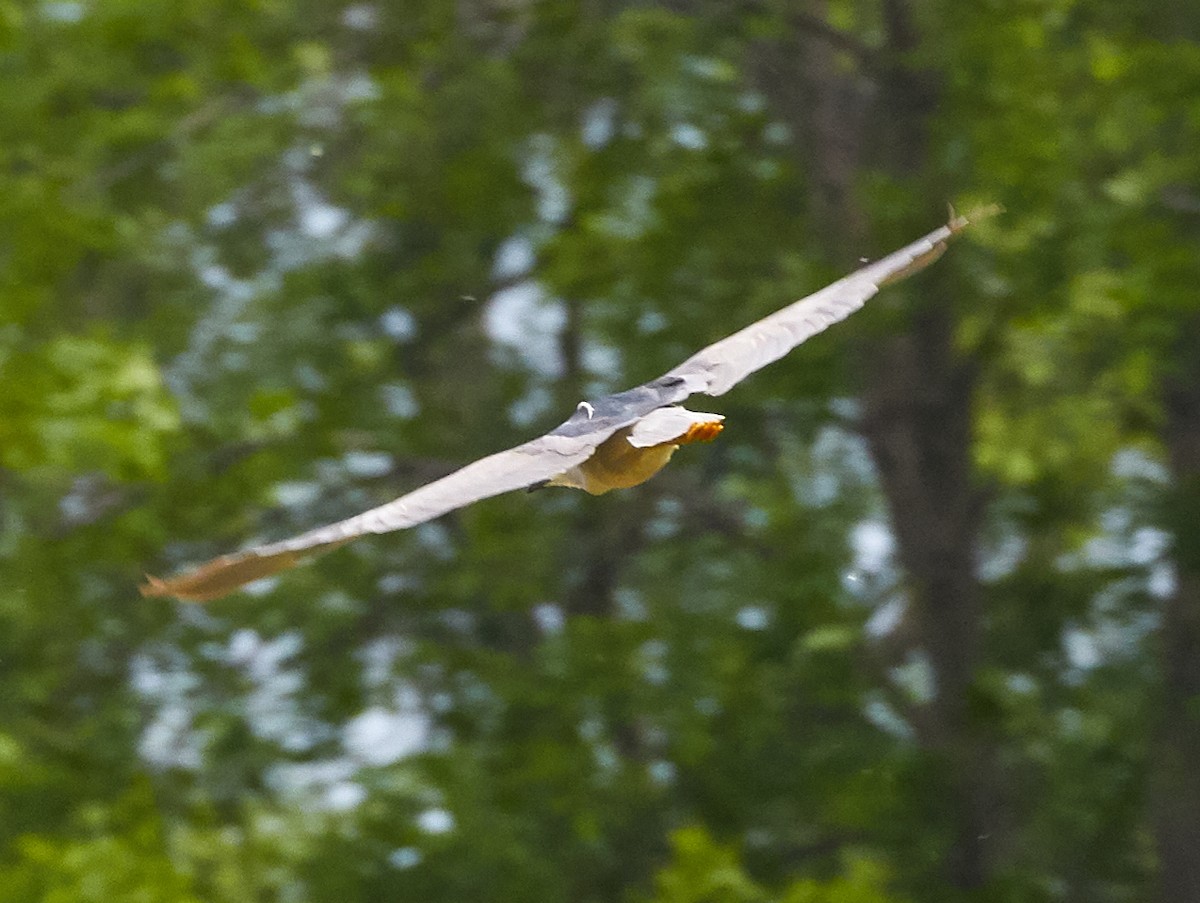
{"points": [[570, 444], [712, 371], [722, 365]]}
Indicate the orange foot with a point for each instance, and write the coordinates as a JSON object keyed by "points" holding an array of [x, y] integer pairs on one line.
{"points": [[702, 432]]}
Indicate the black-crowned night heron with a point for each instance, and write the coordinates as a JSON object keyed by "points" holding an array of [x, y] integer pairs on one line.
{"points": [[614, 442]]}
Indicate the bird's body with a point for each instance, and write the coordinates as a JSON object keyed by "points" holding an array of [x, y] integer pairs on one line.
{"points": [[617, 463], [614, 442]]}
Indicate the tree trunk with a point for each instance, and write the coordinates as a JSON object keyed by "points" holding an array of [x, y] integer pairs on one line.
{"points": [[1176, 753], [918, 395], [917, 421]]}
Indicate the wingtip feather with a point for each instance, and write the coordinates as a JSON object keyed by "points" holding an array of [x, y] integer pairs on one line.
{"points": [[957, 223], [219, 577], [153, 586]]}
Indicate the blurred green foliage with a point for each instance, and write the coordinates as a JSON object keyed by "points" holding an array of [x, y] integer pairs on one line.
{"points": [[265, 264]]}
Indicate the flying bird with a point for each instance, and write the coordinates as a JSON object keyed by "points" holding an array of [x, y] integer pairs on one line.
{"points": [[613, 442]]}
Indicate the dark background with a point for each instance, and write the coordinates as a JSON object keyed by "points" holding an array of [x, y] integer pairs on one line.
{"points": [[922, 625]]}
